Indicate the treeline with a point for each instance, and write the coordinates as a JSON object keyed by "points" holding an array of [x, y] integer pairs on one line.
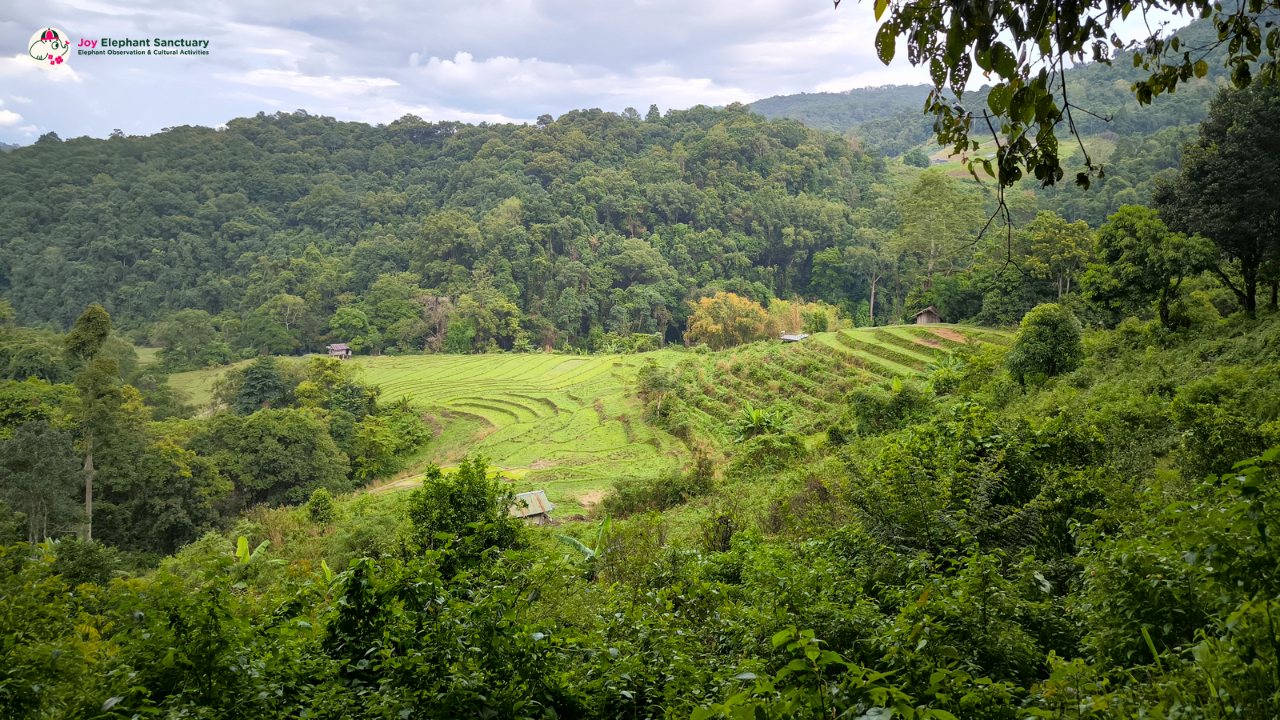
{"points": [[293, 231], [108, 450]]}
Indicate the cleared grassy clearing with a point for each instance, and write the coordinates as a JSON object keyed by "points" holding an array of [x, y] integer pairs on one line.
{"points": [[199, 383]]}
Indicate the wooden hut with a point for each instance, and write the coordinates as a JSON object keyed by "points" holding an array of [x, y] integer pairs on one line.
{"points": [[928, 316], [340, 351], [533, 507]]}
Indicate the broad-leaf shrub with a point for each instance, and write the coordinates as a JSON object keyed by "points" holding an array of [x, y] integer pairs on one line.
{"points": [[1048, 344]]}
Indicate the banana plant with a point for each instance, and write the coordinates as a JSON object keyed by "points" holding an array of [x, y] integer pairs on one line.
{"points": [[249, 564], [945, 361], [757, 421], [591, 554], [243, 556]]}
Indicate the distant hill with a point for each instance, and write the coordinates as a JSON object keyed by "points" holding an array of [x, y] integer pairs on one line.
{"points": [[5, 147], [889, 120], [838, 112]]}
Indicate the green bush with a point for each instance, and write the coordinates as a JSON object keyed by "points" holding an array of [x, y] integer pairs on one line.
{"points": [[80, 562], [466, 508], [320, 507], [878, 409], [660, 493], [1048, 344], [766, 455]]}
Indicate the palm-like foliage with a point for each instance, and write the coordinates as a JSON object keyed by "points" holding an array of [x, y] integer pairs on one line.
{"points": [[758, 421], [591, 554], [944, 361]]}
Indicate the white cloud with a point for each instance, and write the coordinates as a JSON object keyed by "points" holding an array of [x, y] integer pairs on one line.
{"points": [[8, 117], [481, 60], [323, 86], [21, 66], [99, 7], [876, 78], [505, 78]]}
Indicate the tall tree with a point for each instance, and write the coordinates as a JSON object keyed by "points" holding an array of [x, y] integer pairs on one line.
{"points": [[262, 386], [937, 220], [89, 333], [39, 478], [185, 337], [1229, 185], [1140, 259], [1059, 250], [99, 395], [873, 261]]}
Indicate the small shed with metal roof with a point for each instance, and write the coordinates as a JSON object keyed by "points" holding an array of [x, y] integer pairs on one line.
{"points": [[533, 507], [928, 316]]}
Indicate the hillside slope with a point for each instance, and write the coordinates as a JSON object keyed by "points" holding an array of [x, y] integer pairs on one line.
{"points": [[889, 119]]}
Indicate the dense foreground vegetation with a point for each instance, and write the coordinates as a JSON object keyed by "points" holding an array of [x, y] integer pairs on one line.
{"points": [[1082, 545]]}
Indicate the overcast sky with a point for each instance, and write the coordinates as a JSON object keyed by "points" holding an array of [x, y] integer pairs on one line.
{"points": [[375, 60]]}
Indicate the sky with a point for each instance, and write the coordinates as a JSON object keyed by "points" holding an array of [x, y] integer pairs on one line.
{"points": [[376, 60]]}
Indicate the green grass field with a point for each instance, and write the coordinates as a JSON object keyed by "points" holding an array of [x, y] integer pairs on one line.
{"points": [[905, 350], [198, 384], [572, 425], [565, 423]]}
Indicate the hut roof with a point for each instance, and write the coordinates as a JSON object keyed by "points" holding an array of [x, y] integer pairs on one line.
{"points": [[339, 346], [794, 338], [930, 309], [529, 504]]}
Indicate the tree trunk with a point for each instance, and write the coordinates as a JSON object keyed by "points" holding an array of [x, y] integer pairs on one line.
{"points": [[1245, 297], [872, 314], [933, 249], [88, 492]]}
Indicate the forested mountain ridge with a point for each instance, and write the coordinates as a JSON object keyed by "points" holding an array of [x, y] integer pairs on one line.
{"points": [[594, 219], [890, 120], [842, 111]]}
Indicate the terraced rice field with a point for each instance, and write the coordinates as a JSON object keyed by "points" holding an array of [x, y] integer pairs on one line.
{"points": [[567, 424], [571, 424], [905, 350]]}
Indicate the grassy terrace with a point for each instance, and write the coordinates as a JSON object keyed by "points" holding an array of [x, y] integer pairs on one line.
{"points": [[565, 423], [571, 424]]}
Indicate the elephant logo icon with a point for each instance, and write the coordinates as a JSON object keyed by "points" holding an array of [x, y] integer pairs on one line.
{"points": [[49, 47]]}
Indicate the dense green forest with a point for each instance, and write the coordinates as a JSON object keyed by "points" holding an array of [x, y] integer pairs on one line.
{"points": [[291, 230], [1073, 515], [282, 234], [285, 233], [840, 112]]}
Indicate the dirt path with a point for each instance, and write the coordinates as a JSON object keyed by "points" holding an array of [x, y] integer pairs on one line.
{"points": [[949, 334]]}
